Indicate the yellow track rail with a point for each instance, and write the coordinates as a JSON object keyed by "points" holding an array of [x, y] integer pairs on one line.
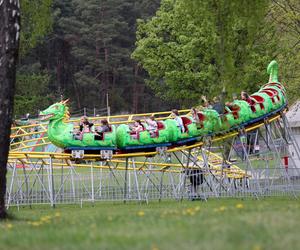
{"points": [[118, 165], [216, 163]]}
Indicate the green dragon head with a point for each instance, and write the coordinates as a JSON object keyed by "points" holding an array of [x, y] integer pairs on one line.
{"points": [[57, 111]]}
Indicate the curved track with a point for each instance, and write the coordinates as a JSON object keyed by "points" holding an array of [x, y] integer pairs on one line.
{"points": [[25, 149]]}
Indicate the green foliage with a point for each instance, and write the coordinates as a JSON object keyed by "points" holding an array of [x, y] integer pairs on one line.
{"points": [[32, 83], [90, 52], [191, 48], [31, 93], [286, 17], [188, 48], [36, 22]]}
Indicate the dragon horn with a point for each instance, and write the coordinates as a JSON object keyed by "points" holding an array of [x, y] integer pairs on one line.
{"points": [[65, 101]]}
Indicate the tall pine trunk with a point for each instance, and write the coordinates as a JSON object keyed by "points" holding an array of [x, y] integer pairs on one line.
{"points": [[135, 94], [9, 46]]}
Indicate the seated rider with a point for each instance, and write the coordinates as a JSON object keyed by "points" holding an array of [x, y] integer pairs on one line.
{"points": [[219, 102], [151, 125], [136, 128], [195, 117], [246, 97], [217, 106], [102, 129], [84, 127], [178, 120], [206, 103]]}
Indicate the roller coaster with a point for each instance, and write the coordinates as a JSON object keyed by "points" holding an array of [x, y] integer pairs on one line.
{"points": [[194, 154], [169, 133]]}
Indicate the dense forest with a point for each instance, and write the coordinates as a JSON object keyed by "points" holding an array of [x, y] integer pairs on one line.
{"points": [[147, 55]]}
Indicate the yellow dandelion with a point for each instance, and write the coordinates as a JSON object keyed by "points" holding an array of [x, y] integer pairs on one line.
{"points": [[190, 211], [239, 205], [222, 208], [9, 226], [36, 224], [197, 208], [257, 247], [154, 248], [57, 214], [45, 218], [141, 213]]}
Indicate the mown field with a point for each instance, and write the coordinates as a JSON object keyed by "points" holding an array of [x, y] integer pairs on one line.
{"points": [[270, 223]]}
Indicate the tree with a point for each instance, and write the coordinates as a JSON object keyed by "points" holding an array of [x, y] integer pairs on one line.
{"points": [[36, 23], [87, 54], [285, 14], [36, 20], [101, 35], [31, 92], [191, 48], [9, 47]]}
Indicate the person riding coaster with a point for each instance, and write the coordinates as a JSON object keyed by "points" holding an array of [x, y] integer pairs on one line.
{"points": [[104, 128], [136, 128], [84, 127], [152, 126]]}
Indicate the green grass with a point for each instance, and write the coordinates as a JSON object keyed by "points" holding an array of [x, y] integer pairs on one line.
{"points": [[270, 223]]}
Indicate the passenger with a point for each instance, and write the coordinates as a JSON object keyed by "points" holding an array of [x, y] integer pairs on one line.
{"points": [[102, 129], [246, 97], [136, 128], [217, 106], [206, 103], [219, 102], [178, 120], [84, 127], [151, 125], [196, 117]]}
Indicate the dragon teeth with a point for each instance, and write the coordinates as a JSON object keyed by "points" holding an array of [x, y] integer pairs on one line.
{"points": [[46, 116]]}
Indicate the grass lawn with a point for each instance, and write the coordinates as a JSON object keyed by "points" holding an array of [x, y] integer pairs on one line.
{"points": [[271, 223]]}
